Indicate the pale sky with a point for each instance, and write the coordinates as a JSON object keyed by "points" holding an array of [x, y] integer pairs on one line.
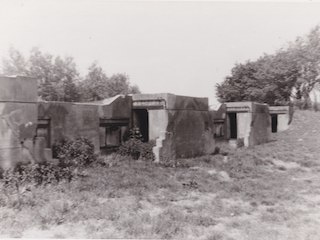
{"points": [[178, 47]]}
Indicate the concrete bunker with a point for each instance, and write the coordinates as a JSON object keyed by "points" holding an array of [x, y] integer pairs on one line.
{"points": [[114, 121], [104, 122], [180, 126], [218, 118], [233, 125], [44, 131], [248, 123], [280, 118], [274, 123], [141, 121], [112, 134]]}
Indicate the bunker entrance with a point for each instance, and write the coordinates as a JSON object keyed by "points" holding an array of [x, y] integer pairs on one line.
{"points": [[233, 125], [274, 123], [43, 130], [111, 134], [141, 120]]}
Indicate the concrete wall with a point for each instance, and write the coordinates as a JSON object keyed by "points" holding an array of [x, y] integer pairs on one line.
{"points": [[181, 127], [176, 102], [218, 120], [219, 113], [284, 118], [186, 135], [283, 122], [260, 125], [253, 122], [172, 102], [18, 119], [158, 122], [18, 89], [118, 107], [190, 133], [244, 128], [71, 120]]}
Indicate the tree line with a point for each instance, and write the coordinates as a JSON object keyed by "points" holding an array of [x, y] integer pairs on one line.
{"points": [[288, 75], [59, 79]]}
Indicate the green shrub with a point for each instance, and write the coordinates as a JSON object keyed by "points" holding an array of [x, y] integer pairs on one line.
{"points": [[131, 147], [36, 174], [135, 133], [77, 153], [17, 183], [136, 149], [146, 151]]}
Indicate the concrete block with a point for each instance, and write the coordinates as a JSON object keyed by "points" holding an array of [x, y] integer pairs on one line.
{"points": [[18, 89]]}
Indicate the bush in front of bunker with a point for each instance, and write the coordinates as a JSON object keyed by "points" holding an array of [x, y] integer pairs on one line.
{"points": [[135, 148], [76, 153]]}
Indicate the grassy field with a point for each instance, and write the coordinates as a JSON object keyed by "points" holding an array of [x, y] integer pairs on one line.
{"points": [[271, 191]]}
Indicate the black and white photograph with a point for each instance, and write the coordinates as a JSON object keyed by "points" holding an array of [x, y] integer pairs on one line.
{"points": [[160, 120]]}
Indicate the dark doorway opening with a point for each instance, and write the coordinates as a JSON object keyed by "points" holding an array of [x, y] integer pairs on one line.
{"points": [[274, 123], [43, 130], [141, 120], [111, 133], [233, 125]]}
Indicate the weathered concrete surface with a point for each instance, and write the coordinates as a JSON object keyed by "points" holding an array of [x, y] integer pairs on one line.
{"points": [[117, 107], [158, 122], [218, 122], [71, 120], [253, 122], [115, 117], [283, 113], [261, 124], [219, 113], [180, 125], [18, 119], [191, 134], [18, 89], [170, 101], [244, 127]]}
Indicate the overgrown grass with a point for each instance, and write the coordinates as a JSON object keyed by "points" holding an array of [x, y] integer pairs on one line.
{"points": [[246, 194]]}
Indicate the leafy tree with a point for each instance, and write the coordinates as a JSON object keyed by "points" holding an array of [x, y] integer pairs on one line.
{"points": [[94, 86], [118, 84], [307, 53], [66, 77], [272, 78], [15, 64], [97, 85], [57, 77], [134, 89], [268, 80], [41, 68]]}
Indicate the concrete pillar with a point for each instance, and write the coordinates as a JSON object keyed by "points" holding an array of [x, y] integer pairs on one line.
{"points": [[18, 119]]}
